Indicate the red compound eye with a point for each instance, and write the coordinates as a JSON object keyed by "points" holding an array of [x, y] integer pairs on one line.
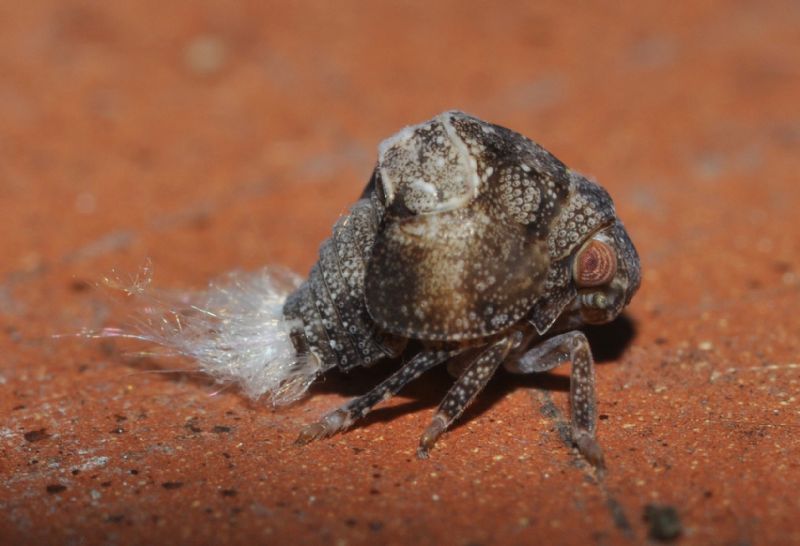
{"points": [[596, 265]]}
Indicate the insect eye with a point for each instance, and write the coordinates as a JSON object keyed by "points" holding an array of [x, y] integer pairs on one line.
{"points": [[596, 264]]}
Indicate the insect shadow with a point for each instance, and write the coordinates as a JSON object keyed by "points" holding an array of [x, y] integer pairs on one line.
{"points": [[165, 367], [608, 342]]}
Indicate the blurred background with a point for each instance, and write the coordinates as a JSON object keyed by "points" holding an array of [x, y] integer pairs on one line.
{"points": [[210, 136]]}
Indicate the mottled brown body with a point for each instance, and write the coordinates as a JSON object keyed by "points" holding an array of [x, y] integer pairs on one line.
{"points": [[466, 240], [337, 327]]}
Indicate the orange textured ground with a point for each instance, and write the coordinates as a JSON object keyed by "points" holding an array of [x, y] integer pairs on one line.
{"points": [[211, 136]]}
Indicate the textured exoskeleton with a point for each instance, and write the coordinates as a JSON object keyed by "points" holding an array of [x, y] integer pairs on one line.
{"points": [[478, 244]]}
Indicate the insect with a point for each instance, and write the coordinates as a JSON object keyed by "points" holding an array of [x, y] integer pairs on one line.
{"points": [[471, 246]]}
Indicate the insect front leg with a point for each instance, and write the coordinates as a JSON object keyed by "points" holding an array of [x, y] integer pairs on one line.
{"points": [[573, 347], [341, 418], [472, 380]]}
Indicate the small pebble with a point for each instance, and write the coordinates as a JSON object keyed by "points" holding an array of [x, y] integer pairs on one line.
{"points": [[663, 522]]}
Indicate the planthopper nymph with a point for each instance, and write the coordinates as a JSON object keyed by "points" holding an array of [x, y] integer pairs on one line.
{"points": [[471, 246]]}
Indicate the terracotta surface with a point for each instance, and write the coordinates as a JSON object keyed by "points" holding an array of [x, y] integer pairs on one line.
{"points": [[214, 136]]}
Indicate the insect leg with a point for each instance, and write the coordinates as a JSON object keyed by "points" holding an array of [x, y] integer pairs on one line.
{"points": [[341, 418], [472, 380], [573, 347]]}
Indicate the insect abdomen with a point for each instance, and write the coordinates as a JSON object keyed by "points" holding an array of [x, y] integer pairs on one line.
{"points": [[330, 303]]}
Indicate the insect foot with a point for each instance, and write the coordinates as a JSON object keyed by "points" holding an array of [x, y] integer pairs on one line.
{"points": [[327, 426], [589, 448], [431, 434]]}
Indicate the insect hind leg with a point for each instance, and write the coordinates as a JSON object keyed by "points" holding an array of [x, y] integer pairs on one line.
{"points": [[573, 347], [343, 417]]}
